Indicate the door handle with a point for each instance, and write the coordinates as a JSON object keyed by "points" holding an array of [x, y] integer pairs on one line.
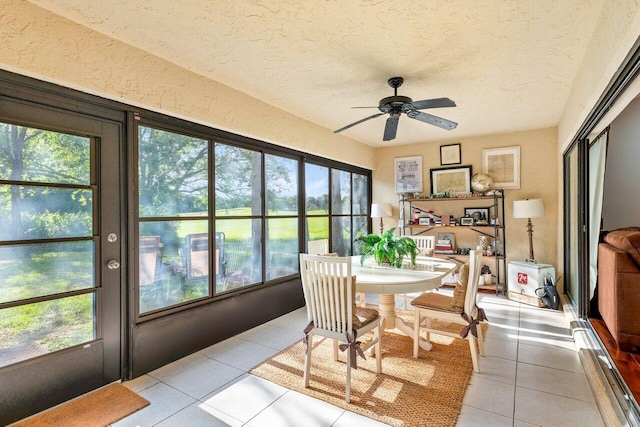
{"points": [[113, 264]]}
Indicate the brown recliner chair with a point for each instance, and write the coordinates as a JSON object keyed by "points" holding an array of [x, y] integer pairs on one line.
{"points": [[619, 285]]}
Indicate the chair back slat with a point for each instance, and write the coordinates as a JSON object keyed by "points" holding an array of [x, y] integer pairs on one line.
{"points": [[475, 265], [326, 284]]}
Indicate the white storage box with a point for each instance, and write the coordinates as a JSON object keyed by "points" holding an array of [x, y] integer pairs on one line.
{"points": [[525, 278]]}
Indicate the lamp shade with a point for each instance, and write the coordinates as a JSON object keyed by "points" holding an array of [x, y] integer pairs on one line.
{"points": [[381, 210], [530, 208]]}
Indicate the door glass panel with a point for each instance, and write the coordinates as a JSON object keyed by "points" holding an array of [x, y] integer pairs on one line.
{"points": [[172, 173], [53, 202], [35, 270], [238, 181], [317, 189], [45, 156], [34, 329], [281, 182], [243, 253], [282, 247], [173, 263], [572, 224], [35, 212]]}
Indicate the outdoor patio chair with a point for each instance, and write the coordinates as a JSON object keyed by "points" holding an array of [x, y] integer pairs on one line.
{"points": [[149, 266]]}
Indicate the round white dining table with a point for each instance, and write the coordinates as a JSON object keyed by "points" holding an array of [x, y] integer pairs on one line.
{"points": [[387, 281]]}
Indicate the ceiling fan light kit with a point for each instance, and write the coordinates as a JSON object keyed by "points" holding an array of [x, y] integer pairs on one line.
{"points": [[396, 104]]}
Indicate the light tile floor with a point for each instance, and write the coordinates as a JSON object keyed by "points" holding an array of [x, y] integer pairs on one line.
{"points": [[531, 376]]}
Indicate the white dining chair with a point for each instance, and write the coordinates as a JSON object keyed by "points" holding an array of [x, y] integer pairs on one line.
{"points": [[321, 247], [442, 307], [426, 245], [329, 289]]}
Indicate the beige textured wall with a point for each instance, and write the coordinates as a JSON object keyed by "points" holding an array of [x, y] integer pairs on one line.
{"points": [[538, 179], [40, 44], [615, 34]]}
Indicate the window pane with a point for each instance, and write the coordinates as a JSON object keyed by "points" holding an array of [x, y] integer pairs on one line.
{"points": [[318, 228], [360, 194], [340, 192], [172, 173], [341, 235], [34, 329], [44, 212], [282, 185], [317, 189], [28, 271], [359, 223], [39, 155], [282, 247], [238, 181], [243, 252], [173, 263]]}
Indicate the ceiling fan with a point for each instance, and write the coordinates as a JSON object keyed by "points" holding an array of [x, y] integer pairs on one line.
{"points": [[394, 105]]}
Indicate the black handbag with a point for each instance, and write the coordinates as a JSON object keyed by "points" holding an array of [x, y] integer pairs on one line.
{"points": [[549, 293]]}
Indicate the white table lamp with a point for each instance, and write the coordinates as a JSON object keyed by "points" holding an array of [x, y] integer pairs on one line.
{"points": [[381, 211], [530, 208]]}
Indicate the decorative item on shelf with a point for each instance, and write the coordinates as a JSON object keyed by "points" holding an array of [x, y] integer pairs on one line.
{"points": [[466, 220], [530, 208], [386, 248], [485, 244], [497, 247], [480, 215], [445, 243], [381, 211], [486, 274], [481, 183]]}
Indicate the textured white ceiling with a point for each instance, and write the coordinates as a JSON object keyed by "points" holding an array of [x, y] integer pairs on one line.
{"points": [[509, 65]]}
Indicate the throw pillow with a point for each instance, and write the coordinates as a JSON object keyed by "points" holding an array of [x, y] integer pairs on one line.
{"points": [[460, 291], [626, 239]]}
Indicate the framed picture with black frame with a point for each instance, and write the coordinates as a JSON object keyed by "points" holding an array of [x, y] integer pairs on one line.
{"points": [[480, 215], [455, 181], [450, 154]]}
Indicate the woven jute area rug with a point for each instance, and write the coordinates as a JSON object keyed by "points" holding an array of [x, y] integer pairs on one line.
{"points": [[427, 391], [97, 409]]}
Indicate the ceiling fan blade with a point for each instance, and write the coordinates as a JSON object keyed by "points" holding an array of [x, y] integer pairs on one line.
{"points": [[391, 128], [432, 120], [433, 103], [358, 122]]}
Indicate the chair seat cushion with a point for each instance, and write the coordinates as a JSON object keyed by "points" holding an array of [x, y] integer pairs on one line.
{"points": [[435, 301], [365, 316]]}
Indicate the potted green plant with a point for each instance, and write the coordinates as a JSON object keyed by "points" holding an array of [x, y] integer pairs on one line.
{"points": [[386, 248]]}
